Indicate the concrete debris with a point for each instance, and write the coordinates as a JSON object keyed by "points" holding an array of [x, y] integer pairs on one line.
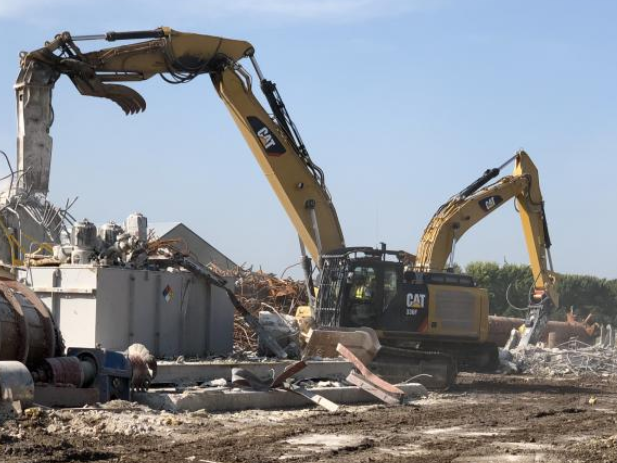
{"points": [[117, 417], [218, 372], [260, 291], [247, 379], [272, 388], [219, 382], [284, 328], [235, 399], [572, 358]]}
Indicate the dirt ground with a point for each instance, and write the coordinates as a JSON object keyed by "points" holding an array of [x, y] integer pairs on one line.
{"points": [[483, 419]]}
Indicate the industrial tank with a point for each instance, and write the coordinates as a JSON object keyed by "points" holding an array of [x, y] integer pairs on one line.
{"points": [[109, 232], [27, 330], [83, 239]]}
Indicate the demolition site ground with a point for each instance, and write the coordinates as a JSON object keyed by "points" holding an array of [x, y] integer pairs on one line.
{"points": [[484, 418]]}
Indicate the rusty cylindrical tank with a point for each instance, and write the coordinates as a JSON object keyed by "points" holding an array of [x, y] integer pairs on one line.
{"points": [[27, 330]]}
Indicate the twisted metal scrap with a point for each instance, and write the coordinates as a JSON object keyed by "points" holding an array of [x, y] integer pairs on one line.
{"points": [[571, 358]]}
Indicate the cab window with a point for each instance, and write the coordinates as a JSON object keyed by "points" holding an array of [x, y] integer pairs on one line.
{"points": [[390, 286]]}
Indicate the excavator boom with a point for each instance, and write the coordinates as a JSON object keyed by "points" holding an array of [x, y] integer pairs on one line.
{"points": [[180, 57], [474, 204]]}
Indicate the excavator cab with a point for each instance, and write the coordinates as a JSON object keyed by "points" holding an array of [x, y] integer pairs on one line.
{"points": [[365, 302], [430, 311], [357, 285]]}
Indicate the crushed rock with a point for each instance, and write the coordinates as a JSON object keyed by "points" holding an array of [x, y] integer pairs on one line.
{"points": [[114, 418]]}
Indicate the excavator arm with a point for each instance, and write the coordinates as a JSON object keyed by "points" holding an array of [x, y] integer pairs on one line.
{"points": [[180, 57], [475, 203]]}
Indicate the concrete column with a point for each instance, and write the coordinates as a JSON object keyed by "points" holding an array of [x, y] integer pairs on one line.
{"points": [[34, 119]]}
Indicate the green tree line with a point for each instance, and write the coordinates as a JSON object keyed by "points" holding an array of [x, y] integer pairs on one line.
{"points": [[585, 293]]}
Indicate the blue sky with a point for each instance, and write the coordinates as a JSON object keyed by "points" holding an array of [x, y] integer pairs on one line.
{"points": [[401, 102]]}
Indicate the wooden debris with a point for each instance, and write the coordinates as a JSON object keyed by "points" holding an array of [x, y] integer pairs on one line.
{"points": [[315, 398], [256, 289], [370, 382], [369, 375], [361, 381], [288, 373]]}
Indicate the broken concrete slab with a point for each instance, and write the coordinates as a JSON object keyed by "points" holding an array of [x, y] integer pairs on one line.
{"points": [[202, 372], [227, 400]]}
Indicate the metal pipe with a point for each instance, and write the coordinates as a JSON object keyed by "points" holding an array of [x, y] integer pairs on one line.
{"points": [[313, 215], [81, 38], [257, 68], [308, 278], [505, 164]]}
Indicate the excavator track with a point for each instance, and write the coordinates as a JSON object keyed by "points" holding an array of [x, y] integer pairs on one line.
{"points": [[435, 370], [469, 357]]}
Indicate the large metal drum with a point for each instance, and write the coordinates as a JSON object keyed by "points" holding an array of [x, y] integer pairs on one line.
{"points": [[27, 331]]}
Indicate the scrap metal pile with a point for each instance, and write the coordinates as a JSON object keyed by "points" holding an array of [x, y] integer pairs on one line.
{"points": [[259, 291], [572, 358]]}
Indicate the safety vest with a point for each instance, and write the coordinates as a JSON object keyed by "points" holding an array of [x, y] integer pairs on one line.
{"points": [[363, 293]]}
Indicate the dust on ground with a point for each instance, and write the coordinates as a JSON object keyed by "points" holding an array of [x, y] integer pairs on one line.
{"points": [[485, 418]]}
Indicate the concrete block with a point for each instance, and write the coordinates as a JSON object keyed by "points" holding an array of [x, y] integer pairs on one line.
{"points": [[230, 400], [201, 372]]}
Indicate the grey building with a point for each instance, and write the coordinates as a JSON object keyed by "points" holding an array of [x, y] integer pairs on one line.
{"points": [[196, 245]]}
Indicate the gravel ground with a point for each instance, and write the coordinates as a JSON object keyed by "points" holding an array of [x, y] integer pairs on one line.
{"points": [[485, 418]]}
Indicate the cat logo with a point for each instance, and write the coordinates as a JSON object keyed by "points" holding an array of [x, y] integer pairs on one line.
{"points": [[268, 140], [265, 137], [416, 301], [490, 203]]}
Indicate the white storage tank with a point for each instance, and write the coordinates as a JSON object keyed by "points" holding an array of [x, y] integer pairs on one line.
{"points": [[137, 225], [171, 313]]}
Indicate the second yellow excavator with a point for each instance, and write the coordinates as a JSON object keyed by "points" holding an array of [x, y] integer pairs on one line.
{"points": [[422, 313], [421, 303]]}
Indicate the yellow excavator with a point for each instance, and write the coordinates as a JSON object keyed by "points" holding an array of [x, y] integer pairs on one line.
{"points": [[470, 206], [427, 319]]}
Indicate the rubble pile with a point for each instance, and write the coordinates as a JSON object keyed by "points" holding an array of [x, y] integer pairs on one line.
{"points": [[572, 358], [258, 290], [114, 418], [261, 291]]}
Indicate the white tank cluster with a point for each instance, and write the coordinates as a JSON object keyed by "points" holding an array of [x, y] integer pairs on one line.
{"points": [[109, 245]]}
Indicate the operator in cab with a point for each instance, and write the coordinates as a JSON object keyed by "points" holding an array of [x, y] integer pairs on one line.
{"points": [[362, 295]]}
